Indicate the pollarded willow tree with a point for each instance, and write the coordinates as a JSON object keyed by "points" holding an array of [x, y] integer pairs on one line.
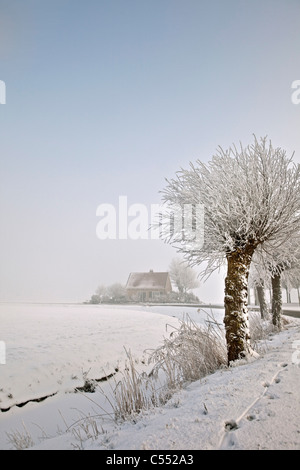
{"points": [[294, 280], [250, 195], [273, 267], [259, 281]]}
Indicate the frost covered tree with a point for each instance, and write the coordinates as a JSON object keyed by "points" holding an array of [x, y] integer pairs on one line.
{"points": [[258, 281], [291, 277], [280, 267], [116, 292], [295, 283], [113, 293], [183, 276], [250, 195], [263, 305], [269, 272], [101, 291], [287, 287]]}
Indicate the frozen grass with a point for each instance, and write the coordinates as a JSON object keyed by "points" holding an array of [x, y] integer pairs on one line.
{"points": [[20, 440], [192, 352], [87, 429], [134, 392], [260, 330]]}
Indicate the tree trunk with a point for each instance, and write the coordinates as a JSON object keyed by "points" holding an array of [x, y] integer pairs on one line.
{"points": [[262, 302], [236, 311], [249, 296], [288, 295], [256, 298], [298, 292], [276, 300]]}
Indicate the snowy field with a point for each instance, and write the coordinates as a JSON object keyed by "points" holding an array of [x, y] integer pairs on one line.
{"points": [[50, 348]]}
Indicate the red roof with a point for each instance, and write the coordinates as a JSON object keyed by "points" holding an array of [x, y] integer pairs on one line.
{"points": [[150, 280]]}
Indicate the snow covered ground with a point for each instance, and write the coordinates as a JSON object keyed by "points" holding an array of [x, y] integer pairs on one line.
{"points": [[254, 405], [50, 347]]}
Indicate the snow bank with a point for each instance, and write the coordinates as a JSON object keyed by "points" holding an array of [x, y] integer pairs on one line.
{"points": [[252, 406]]}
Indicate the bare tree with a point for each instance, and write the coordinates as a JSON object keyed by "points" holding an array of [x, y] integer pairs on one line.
{"points": [[183, 276], [250, 195]]}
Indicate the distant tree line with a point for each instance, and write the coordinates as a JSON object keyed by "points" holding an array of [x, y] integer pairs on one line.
{"points": [[115, 293]]}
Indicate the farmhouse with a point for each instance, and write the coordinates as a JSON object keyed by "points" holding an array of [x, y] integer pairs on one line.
{"points": [[148, 287]]}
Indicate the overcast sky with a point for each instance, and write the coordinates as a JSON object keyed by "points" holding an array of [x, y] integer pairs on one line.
{"points": [[107, 98]]}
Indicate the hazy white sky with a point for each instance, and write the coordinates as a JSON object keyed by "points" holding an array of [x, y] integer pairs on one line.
{"points": [[109, 97]]}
